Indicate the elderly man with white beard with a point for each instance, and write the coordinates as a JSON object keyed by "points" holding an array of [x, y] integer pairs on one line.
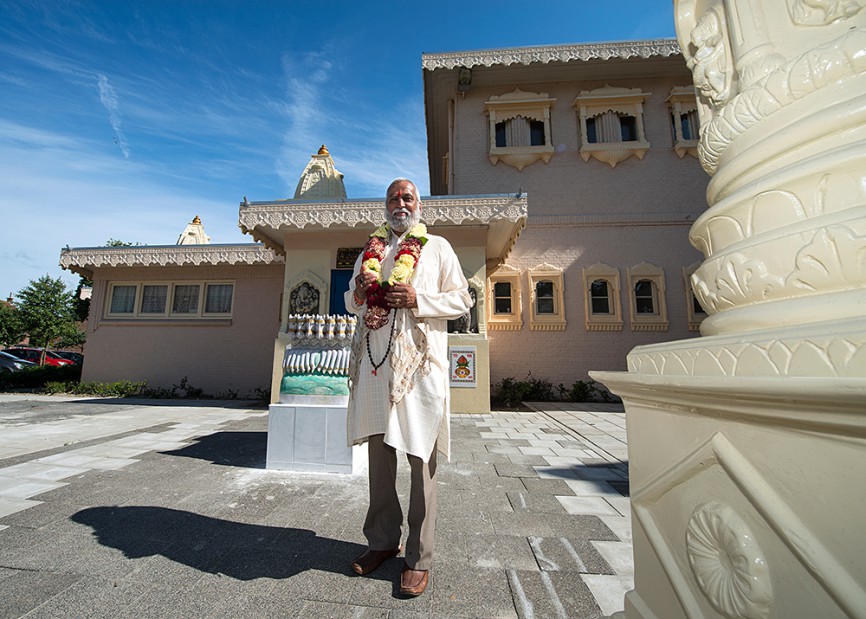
{"points": [[407, 284]]}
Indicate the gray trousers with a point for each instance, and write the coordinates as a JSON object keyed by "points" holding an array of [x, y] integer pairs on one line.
{"points": [[382, 527]]}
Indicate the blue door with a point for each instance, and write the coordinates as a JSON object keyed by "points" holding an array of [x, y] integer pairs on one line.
{"points": [[339, 284]]}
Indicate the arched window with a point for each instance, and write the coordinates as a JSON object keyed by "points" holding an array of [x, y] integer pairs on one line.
{"points": [[602, 305], [504, 290], [647, 304], [547, 312]]}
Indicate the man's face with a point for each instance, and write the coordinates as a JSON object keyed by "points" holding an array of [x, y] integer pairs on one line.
{"points": [[404, 209]]}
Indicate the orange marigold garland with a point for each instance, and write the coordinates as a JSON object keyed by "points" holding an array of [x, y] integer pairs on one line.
{"points": [[408, 254]]}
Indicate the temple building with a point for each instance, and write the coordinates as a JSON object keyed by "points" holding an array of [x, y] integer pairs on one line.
{"points": [[587, 153]]}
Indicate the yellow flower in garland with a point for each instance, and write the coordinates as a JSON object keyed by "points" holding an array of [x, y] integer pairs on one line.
{"points": [[402, 270], [373, 265]]}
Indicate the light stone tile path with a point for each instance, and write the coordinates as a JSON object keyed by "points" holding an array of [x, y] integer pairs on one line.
{"points": [[118, 508]]}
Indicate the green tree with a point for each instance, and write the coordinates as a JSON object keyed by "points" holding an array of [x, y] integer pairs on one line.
{"points": [[82, 306], [47, 311], [11, 329]]}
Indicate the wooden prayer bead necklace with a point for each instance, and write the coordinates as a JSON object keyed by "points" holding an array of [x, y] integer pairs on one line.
{"points": [[375, 365]]}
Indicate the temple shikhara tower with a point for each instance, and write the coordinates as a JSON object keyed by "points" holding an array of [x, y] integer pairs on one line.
{"points": [[746, 445]]}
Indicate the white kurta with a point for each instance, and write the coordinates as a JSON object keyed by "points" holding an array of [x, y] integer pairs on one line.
{"points": [[416, 422]]}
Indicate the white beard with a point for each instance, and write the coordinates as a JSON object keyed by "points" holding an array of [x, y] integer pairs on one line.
{"points": [[401, 220]]}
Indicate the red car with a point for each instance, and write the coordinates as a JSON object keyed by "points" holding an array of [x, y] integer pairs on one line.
{"points": [[32, 354]]}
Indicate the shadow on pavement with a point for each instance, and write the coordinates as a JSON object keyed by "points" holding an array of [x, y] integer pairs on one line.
{"points": [[215, 546], [208, 403], [243, 449]]}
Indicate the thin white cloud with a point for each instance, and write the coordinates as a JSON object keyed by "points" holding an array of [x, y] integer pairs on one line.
{"points": [[71, 192], [375, 147], [108, 97]]}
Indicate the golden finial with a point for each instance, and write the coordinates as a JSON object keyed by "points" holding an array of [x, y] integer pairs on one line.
{"points": [[196, 221], [324, 150]]}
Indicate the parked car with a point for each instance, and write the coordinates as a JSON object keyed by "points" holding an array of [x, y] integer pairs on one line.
{"points": [[76, 357], [11, 363], [32, 354]]}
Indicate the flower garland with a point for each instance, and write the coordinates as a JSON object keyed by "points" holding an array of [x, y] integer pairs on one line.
{"points": [[408, 253]]}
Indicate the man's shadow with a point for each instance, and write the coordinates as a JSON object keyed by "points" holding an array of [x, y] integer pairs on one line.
{"points": [[241, 551]]}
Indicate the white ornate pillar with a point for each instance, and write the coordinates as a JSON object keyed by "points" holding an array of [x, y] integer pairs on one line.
{"points": [[747, 446]]}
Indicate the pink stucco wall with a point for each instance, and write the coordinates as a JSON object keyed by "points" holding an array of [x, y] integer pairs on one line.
{"points": [[217, 356], [581, 213]]}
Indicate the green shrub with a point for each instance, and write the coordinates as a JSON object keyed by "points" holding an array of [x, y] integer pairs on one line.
{"points": [[181, 390], [120, 389], [582, 391], [510, 392]]}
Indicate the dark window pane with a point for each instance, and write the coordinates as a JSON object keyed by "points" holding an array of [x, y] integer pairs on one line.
{"points": [[544, 306], [536, 133], [502, 289], [544, 289], [500, 135], [643, 297], [599, 288], [600, 306], [644, 306], [599, 295], [503, 306], [644, 288], [687, 128], [591, 135], [628, 127], [697, 306]]}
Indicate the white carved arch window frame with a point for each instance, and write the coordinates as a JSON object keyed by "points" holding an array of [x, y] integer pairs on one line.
{"points": [[695, 317], [683, 105], [497, 319], [602, 321], [313, 280], [657, 320], [544, 320], [620, 101], [526, 105]]}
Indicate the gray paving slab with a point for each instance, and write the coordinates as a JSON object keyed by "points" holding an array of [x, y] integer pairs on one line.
{"points": [[167, 511]]}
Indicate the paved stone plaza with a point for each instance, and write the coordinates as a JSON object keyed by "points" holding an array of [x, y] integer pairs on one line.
{"points": [[119, 508]]}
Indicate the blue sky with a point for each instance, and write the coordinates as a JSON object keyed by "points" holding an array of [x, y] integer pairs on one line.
{"points": [[124, 119]]}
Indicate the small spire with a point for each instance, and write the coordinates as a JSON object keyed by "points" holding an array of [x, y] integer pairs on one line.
{"points": [[324, 150], [196, 221]]}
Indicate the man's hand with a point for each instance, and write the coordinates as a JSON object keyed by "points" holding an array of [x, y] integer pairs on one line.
{"points": [[363, 282], [401, 295]]}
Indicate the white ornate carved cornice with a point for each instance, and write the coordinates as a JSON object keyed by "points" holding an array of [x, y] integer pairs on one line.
{"points": [[84, 260], [503, 215], [551, 53], [447, 210]]}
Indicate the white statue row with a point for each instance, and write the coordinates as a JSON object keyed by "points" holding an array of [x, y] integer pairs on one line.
{"points": [[333, 362], [331, 326]]}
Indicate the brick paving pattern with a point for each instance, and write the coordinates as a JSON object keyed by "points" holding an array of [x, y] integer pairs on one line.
{"points": [[114, 508]]}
